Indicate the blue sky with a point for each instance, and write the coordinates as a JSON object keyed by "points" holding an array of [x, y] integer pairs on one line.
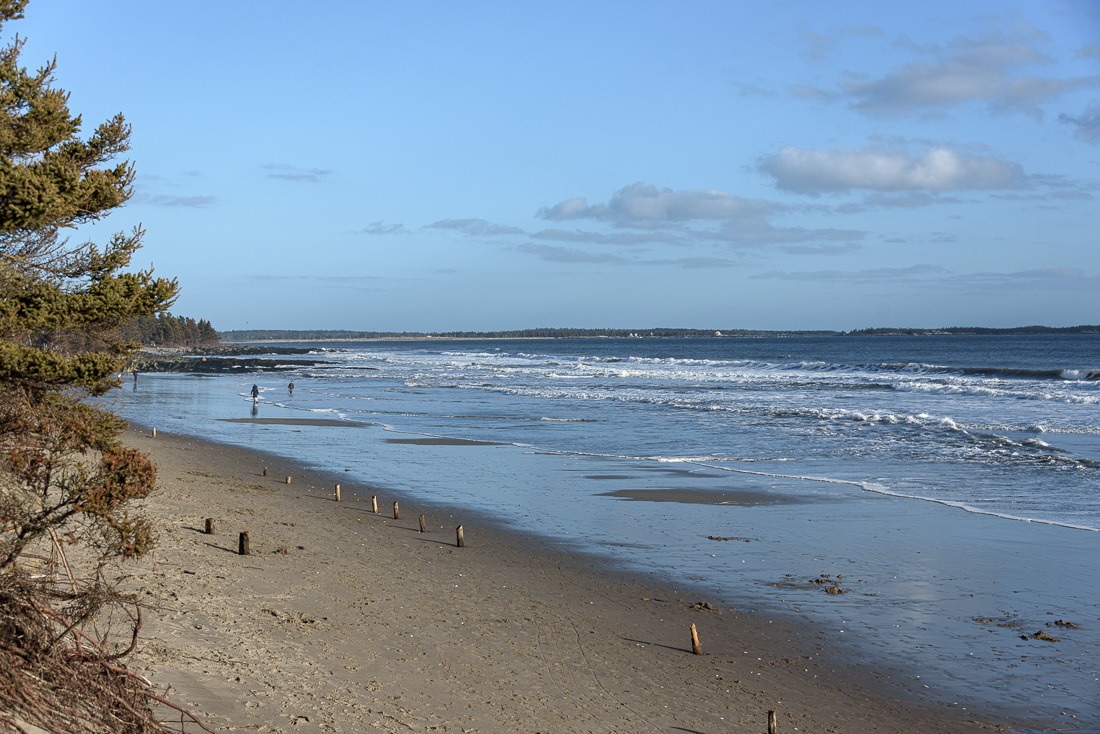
{"points": [[495, 165]]}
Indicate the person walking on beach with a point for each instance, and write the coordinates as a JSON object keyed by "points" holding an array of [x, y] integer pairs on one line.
{"points": [[290, 387], [255, 392]]}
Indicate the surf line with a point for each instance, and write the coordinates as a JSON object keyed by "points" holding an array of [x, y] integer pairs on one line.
{"points": [[877, 488], [867, 486], [704, 464]]}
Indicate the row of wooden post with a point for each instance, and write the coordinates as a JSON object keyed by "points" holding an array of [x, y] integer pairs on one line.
{"points": [[242, 543], [243, 549], [460, 539], [697, 648]]}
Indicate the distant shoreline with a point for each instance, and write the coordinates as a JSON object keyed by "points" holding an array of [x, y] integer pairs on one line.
{"points": [[240, 353], [335, 335]]}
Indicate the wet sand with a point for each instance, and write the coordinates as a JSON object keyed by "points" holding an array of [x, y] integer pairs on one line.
{"points": [[739, 497], [331, 422], [442, 441], [342, 620]]}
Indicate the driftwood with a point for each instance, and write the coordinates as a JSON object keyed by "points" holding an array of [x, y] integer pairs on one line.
{"points": [[60, 672]]}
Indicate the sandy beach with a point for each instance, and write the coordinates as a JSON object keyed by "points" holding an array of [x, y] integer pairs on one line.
{"points": [[343, 620]]}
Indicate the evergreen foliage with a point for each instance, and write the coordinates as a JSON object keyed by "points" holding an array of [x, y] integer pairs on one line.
{"points": [[980, 331], [166, 330], [66, 480]]}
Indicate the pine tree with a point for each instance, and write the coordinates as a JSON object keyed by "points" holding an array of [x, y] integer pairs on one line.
{"points": [[65, 477]]}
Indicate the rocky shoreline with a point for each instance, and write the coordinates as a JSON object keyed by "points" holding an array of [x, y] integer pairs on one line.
{"points": [[219, 359]]}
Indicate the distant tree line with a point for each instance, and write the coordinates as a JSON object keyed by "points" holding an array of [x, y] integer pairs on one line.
{"points": [[246, 335], [978, 330], [260, 335], [569, 333], [166, 330]]}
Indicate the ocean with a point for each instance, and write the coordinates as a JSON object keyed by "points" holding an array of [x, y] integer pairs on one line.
{"points": [[950, 485]]}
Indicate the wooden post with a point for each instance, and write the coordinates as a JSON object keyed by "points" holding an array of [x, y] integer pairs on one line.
{"points": [[209, 526], [771, 722], [337, 492], [423, 526], [460, 539], [289, 479], [242, 548], [374, 504], [695, 646], [154, 433], [396, 511]]}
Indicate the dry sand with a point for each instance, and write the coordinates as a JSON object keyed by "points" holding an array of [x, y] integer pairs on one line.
{"points": [[341, 620]]}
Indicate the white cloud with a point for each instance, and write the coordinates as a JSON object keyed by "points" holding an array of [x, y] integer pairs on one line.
{"points": [[1089, 51], [903, 200], [646, 215], [383, 228], [818, 47], [964, 71], [644, 221], [936, 169], [284, 172], [194, 202], [641, 205], [1025, 94], [1048, 279], [575, 208], [810, 93], [476, 227], [1086, 126], [919, 86]]}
